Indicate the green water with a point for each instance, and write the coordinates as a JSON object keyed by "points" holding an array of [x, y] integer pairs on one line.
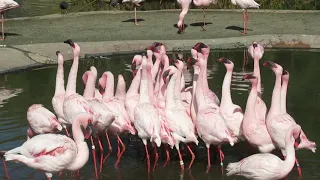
{"points": [[37, 86]]}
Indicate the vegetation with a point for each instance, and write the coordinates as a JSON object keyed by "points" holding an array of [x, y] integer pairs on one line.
{"points": [[86, 5]]}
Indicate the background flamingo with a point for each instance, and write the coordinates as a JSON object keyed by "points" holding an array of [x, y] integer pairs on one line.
{"points": [[203, 3], [6, 5]]}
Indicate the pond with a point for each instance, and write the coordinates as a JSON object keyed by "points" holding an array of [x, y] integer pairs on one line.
{"points": [[37, 86]]}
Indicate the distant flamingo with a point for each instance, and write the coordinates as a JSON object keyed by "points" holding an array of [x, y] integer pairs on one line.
{"points": [[203, 3], [6, 5], [279, 121], [244, 5], [52, 153], [231, 113], [264, 166], [180, 124], [184, 10], [146, 117], [58, 98], [210, 124], [41, 121], [136, 4]]}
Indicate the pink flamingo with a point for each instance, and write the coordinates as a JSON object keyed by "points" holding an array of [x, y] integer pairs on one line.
{"points": [[146, 117], [105, 116], [6, 5], [265, 165], [180, 124], [184, 10], [41, 121], [278, 120], [74, 103], [136, 4], [210, 125], [244, 5], [58, 98], [122, 122], [231, 113], [203, 3], [52, 153]]}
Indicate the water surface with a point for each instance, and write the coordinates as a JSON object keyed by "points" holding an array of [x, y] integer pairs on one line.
{"points": [[25, 88]]}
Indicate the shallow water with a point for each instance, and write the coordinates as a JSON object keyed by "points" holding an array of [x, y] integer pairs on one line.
{"points": [[37, 86]]}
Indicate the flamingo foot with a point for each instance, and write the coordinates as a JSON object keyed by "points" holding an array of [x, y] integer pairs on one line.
{"points": [[168, 157], [121, 153], [203, 29], [208, 169], [5, 168]]}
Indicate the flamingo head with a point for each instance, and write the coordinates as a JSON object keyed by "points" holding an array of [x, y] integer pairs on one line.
{"points": [[171, 61], [202, 48], [70, 42], [190, 62], [136, 62], [153, 48], [102, 83], [285, 75], [256, 50], [60, 57], [253, 79], [276, 68], [228, 63], [86, 124], [167, 74]]}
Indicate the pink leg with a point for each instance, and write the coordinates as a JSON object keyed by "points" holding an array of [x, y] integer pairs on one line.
{"points": [[101, 153], [67, 131], [298, 167], [181, 160], [135, 16], [156, 158], [110, 148], [221, 158], [60, 173], [244, 23], [209, 163], [5, 168], [2, 26], [204, 20], [148, 157], [192, 155], [49, 178], [168, 156], [120, 153], [94, 157]]}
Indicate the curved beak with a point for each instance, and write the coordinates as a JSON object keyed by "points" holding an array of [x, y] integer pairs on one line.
{"points": [[70, 42], [269, 64], [224, 60]]}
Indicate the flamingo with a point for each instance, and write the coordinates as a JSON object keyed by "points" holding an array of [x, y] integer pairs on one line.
{"points": [[52, 153], [106, 117], [210, 125], [231, 113], [203, 3], [244, 5], [41, 121], [146, 117], [6, 5], [136, 4], [122, 122], [278, 120], [266, 165], [184, 10], [58, 98], [180, 124], [74, 103]]}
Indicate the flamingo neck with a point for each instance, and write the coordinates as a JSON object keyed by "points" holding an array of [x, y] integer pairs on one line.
{"points": [[72, 78], [256, 72], [60, 79], [276, 96], [155, 69], [109, 88], [121, 88], [90, 87], [134, 87], [182, 87], [251, 102], [150, 86], [170, 94], [199, 89], [283, 95], [290, 151], [226, 94], [144, 89]]}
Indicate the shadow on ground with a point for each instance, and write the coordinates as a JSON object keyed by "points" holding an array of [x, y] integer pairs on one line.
{"points": [[236, 28], [132, 20], [10, 34], [199, 24]]}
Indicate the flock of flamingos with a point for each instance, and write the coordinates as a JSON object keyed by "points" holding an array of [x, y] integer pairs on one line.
{"points": [[160, 109]]}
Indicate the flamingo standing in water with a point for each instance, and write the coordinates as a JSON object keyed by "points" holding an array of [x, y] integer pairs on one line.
{"points": [[244, 5], [146, 117], [52, 153], [6, 5], [278, 120], [210, 125], [58, 98], [264, 166], [231, 113], [41, 121], [180, 124]]}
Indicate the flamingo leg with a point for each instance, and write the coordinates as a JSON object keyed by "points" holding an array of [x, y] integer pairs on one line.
{"points": [[135, 16], [209, 163], [101, 153], [94, 157], [5, 168], [204, 20], [2, 21], [148, 157], [244, 22], [192, 155], [221, 158], [298, 167], [123, 149], [156, 158], [110, 148], [168, 156], [67, 132], [180, 157]]}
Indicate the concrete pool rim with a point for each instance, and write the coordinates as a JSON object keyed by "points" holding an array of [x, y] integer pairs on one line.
{"points": [[44, 53]]}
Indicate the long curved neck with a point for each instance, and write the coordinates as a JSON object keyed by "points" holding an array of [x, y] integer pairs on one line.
{"points": [[205, 85], [144, 89], [121, 88], [182, 86], [83, 150], [256, 72], [72, 78], [134, 87], [226, 94], [150, 86], [60, 79], [162, 84], [154, 71], [251, 102], [170, 94], [90, 87], [291, 156], [109, 89], [199, 89], [276, 95], [196, 72], [284, 89]]}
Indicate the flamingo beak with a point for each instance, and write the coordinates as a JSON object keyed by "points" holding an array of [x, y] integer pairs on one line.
{"points": [[248, 76], [255, 45], [224, 60], [89, 130], [70, 42], [284, 72], [57, 53], [269, 64]]}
